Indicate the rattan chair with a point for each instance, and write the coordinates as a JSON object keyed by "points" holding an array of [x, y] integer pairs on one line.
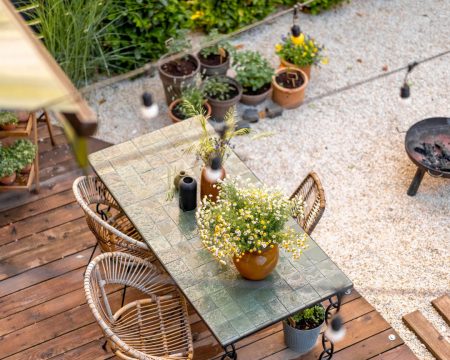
{"points": [[310, 193], [153, 327], [111, 227]]}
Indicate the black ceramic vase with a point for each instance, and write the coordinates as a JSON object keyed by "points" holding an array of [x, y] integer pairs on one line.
{"points": [[188, 193]]}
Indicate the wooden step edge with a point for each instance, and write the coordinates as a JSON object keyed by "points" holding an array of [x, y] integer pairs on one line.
{"points": [[442, 306]]}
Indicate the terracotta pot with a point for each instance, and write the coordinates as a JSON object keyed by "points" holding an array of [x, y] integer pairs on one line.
{"points": [[289, 98], [254, 266], [211, 70], [8, 180], [173, 84], [206, 186], [305, 69], [256, 99], [176, 119], [218, 107], [26, 169], [8, 127], [22, 116]]}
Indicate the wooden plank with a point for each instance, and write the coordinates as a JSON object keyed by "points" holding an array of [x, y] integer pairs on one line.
{"points": [[91, 351], [402, 352], [370, 347], [428, 334], [40, 222], [442, 306]]}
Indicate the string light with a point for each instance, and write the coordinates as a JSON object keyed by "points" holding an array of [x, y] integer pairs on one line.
{"points": [[405, 90], [336, 331], [149, 108]]}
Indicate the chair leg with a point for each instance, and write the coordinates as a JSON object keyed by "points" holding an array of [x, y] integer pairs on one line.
{"points": [[104, 346], [92, 255], [49, 127], [123, 295]]}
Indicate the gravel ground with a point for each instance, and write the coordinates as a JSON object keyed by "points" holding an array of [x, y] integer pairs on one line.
{"points": [[395, 248]]}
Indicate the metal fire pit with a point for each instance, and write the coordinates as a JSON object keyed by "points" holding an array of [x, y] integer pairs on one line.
{"points": [[429, 131]]}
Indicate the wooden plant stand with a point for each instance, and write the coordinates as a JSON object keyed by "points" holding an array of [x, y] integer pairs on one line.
{"points": [[24, 130]]}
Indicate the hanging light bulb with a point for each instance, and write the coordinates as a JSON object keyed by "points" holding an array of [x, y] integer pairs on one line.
{"points": [[149, 108], [295, 31], [336, 331], [405, 90]]}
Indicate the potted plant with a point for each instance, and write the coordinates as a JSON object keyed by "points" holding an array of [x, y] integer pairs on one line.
{"points": [[289, 86], [247, 223], [24, 152], [175, 71], [214, 151], [254, 73], [222, 93], [215, 59], [8, 167], [302, 329], [8, 120], [179, 109], [298, 50]]}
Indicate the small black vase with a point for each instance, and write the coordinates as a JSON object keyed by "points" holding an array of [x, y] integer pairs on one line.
{"points": [[188, 193]]}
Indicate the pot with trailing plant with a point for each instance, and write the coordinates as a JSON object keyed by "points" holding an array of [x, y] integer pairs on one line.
{"points": [[177, 71], [302, 329], [8, 167], [247, 224], [222, 93], [8, 120], [191, 99], [301, 51], [24, 152], [254, 73], [289, 86], [215, 59]]}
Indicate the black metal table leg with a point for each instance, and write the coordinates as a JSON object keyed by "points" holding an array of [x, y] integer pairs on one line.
{"points": [[415, 183], [230, 354], [327, 344]]}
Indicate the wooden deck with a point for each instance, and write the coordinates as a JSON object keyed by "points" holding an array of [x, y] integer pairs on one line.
{"points": [[44, 248]]}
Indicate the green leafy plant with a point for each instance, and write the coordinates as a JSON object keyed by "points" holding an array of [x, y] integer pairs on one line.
{"points": [[192, 99], [24, 152], [220, 48], [74, 31], [217, 88], [253, 71], [309, 318], [318, 6], [210, 146], [8, 118], [179, 42], [300, 50], [8, 165], [247, 219]]}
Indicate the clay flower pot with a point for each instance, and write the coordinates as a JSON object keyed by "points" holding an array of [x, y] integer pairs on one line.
{"points": [[305, 69], [220, 107], [175, 74], [255, 99], [26, 169], [175, 119], [292, 96], [211, 67], [254, 266], [8, 127], [8, 180]]}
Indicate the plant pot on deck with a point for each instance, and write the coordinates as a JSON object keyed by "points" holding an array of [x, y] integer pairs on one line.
{"points": [[256, 97], [176, 74], [220, 107], [289, 86], [8, 180], [176, 116], [286, 64], [213, 64]]}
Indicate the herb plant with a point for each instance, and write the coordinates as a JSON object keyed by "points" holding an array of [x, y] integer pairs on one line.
{"points": [[192, 100], [217, 88], [220, 48], [24, 152], [300, 50], [8, 118], [247, 219], [8, 164], [309, 318], [253, 71]]}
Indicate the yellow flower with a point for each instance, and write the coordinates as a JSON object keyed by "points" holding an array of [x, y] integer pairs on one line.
{"points": [[299, 40], [325, 61], [278, 47], [197, 14]]}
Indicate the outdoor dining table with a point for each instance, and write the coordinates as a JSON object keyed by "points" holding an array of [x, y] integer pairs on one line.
{"points": [[138, 174]]}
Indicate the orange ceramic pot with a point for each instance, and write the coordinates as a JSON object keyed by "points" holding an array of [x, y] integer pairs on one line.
{"points": [[289, 98], [176, 119], [254, 266], [8, 180], [305, 69]]}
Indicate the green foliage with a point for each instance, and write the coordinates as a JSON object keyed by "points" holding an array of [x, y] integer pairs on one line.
{"points": [[8, 164], [301, 50], [309, 318], [219, 48], [24, 152], [74, 32], [217, 87], [192, 99], [180, 42], [253, 71], [142, 27], [7, 118], [321, 5]]}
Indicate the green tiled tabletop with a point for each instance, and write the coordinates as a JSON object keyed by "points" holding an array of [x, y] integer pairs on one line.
{"points": [[137, 174]]}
